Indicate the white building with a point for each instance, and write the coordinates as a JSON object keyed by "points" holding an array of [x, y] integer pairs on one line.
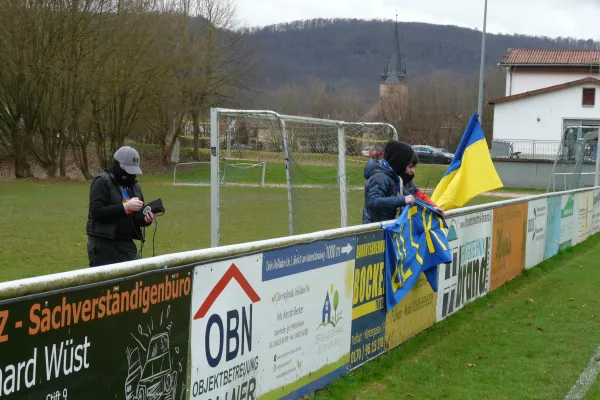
{"points": [[549, 94]]}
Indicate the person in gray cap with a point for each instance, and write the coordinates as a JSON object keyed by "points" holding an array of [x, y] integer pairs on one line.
{"points": [[115, 215]]}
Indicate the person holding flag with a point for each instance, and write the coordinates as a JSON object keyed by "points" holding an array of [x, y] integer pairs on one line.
{"points": [[384, 194], [416, 242]]}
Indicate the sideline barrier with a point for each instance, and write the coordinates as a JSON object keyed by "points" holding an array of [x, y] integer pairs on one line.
{"points": [[264, 320]]}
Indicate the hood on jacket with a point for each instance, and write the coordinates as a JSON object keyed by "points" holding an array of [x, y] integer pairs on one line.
{"points": [[399, 155], [374, 167]]}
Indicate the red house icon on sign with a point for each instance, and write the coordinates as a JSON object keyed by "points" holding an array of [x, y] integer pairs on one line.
{"points": [[232, 273]]}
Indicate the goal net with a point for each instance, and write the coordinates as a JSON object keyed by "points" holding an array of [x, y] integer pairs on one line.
{"points": [[275, 175], [232, 173], [243, 173]]}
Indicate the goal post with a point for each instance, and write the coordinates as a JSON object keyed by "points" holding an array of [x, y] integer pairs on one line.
{"points": [[319, 163]]}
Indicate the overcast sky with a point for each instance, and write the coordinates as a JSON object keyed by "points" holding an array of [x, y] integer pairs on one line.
{"points": [[553, 18]]}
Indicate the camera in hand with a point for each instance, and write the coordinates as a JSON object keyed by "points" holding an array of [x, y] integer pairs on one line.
{"points": [[156, 206]]}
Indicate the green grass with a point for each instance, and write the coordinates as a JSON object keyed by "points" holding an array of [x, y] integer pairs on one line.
{"points": [[530, 339], [43, 224], [427, 176], [528, 191]]}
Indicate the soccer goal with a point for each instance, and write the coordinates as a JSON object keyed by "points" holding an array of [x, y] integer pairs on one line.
{"points": [[250, 174], [577, 151], [284, 175], [233, 173]]}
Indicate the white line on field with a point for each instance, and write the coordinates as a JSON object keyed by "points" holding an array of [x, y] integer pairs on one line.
{"points": [[586, 379]]}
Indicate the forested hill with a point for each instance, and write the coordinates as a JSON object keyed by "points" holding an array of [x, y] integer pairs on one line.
{"points": [[351, 52]]}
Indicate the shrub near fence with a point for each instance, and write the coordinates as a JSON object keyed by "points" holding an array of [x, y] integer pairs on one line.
{"points": [[264, 320]]}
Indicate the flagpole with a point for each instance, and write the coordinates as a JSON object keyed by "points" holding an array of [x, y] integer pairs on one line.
{"points": [[482, 65]]}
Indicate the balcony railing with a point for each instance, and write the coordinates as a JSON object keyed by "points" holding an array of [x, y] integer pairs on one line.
{"points": [[542, 149]]}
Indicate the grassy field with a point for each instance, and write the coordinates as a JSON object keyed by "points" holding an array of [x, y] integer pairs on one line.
{"points": [[43, 224], [530, 339], [314, 173], [427, 175]]}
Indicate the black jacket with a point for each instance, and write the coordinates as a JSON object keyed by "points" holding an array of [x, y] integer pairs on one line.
{"points": [[106, 216]]}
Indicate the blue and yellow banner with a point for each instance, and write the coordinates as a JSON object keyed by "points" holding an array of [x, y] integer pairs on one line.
{"points": [[415, 243], [471, 172]]}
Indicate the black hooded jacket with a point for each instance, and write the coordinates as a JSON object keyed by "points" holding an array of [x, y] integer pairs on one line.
{"points": [[106, 216], [384, 197]]}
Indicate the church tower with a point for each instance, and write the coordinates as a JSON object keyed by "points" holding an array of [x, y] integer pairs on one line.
{"points": [[394, 74]]}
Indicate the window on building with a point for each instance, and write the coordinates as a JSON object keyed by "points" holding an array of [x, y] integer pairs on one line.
{"points": [[589, 96]]}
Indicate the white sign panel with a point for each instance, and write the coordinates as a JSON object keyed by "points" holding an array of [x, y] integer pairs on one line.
{"points": [[308, 316], [568, 221], [273, 325], [227, 307], [537, 217], [468, 277], [586, 210], [596, 212]]}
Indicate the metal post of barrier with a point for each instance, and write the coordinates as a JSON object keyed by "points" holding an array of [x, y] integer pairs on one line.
{"points": [[215, 223], [342, 176]]}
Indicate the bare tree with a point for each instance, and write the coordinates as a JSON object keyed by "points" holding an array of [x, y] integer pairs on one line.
{"points": [[29, 38], [222, 58], [125, 74]]}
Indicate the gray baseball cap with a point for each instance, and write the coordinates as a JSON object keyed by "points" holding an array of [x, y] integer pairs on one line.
{"points": [[129, 159]]}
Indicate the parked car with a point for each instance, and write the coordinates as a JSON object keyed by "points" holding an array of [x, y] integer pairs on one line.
{"points": [[446, 152], [432, 155], [372, 151]]}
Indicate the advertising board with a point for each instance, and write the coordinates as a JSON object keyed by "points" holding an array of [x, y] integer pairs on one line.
{"points": [[509, 242], [122, 339], [537, 219], [585, 214], [468, 277], [596, 212], [273, 325], [368, 300], [553, 227], [415, 313], [568, 221]]}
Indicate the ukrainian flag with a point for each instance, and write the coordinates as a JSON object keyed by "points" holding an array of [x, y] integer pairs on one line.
{"points": [[471, 172]]}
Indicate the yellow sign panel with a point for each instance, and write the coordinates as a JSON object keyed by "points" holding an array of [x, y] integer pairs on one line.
{"points": [[415, 313]]}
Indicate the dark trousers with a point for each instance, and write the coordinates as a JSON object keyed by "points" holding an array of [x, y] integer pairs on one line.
{"points": [[103, 251]]}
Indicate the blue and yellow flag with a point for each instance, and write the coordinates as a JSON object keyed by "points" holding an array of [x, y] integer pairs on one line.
{"points": [[415, 243], [471, 172]]}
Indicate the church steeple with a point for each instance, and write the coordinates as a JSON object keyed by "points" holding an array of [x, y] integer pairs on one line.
{"points": [[395, 71]]}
